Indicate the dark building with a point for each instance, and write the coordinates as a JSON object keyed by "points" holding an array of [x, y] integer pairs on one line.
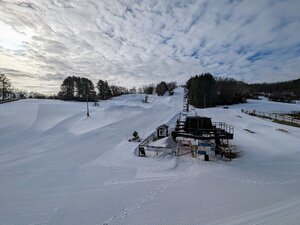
{"points": [[193, 124]]}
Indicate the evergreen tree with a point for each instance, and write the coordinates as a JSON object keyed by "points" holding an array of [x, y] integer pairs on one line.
{"points": [[67, 89], [202, 91], [104, 90], [87, 89], [76, 88]]}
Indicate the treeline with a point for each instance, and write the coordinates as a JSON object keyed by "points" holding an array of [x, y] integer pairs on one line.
{"points": [[76, 88], [287, 91], [82, 89], [21, 94], [7, 92], [205, 90]]}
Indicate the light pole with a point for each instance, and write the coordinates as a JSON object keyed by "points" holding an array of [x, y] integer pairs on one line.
{"points": [[87, 107], [87, 102], [87, 98]]}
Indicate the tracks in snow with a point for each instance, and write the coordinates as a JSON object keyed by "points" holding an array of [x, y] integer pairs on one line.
{"points": [[117, 219]]}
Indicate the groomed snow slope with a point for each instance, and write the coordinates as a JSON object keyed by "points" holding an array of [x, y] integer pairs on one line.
{"points": [[59, 167]]}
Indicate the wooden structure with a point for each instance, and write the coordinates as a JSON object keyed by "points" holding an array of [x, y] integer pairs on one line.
{"points": [[273, 116], [202, 129], [162, 131], [146, 146]]}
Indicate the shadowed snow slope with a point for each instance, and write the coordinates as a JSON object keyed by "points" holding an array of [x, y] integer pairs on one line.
{"points": [[59, 167]]}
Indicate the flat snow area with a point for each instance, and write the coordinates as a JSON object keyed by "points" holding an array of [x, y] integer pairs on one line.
{"points": [[58, 167]]}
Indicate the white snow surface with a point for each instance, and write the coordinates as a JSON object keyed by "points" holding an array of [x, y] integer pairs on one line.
{"points": [[58, 167], [163, 142]]}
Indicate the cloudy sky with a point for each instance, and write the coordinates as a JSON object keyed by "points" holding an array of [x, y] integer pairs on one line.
{"points": [[135, 42]]}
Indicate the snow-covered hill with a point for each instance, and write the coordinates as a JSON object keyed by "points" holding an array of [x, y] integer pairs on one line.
{"points": [[59, 167]]}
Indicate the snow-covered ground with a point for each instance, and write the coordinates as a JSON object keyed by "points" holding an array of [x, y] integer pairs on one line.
{"points": [[59, 167]]}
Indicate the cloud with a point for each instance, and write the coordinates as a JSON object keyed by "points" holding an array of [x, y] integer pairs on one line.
{"points": [[137, 42]]}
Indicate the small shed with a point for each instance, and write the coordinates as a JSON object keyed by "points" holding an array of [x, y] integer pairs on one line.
{"points": [[162, 131]]}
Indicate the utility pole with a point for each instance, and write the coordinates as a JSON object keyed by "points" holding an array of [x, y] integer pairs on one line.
{"points": [[87, 101], [87, 98], [87, 106]]}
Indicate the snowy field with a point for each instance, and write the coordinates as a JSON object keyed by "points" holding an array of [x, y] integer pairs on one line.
{"points": [[58, 167]]}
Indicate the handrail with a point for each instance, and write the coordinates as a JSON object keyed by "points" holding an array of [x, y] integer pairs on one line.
{"points": [[153, 134]]}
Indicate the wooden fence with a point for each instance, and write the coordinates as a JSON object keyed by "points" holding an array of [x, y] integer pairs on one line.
{"points": [[275, 116]]}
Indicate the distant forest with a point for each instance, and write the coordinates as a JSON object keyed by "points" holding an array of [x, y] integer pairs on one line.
{"points": [[288, 91], [82, 89], [204, 90]]}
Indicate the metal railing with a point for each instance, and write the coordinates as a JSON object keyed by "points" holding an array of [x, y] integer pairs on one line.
{"points": [[224, 126], [150, 138]]}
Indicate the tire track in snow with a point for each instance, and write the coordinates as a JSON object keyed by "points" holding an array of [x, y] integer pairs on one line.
{"points": [[254, 181], [57, 208], [51, 216]]}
